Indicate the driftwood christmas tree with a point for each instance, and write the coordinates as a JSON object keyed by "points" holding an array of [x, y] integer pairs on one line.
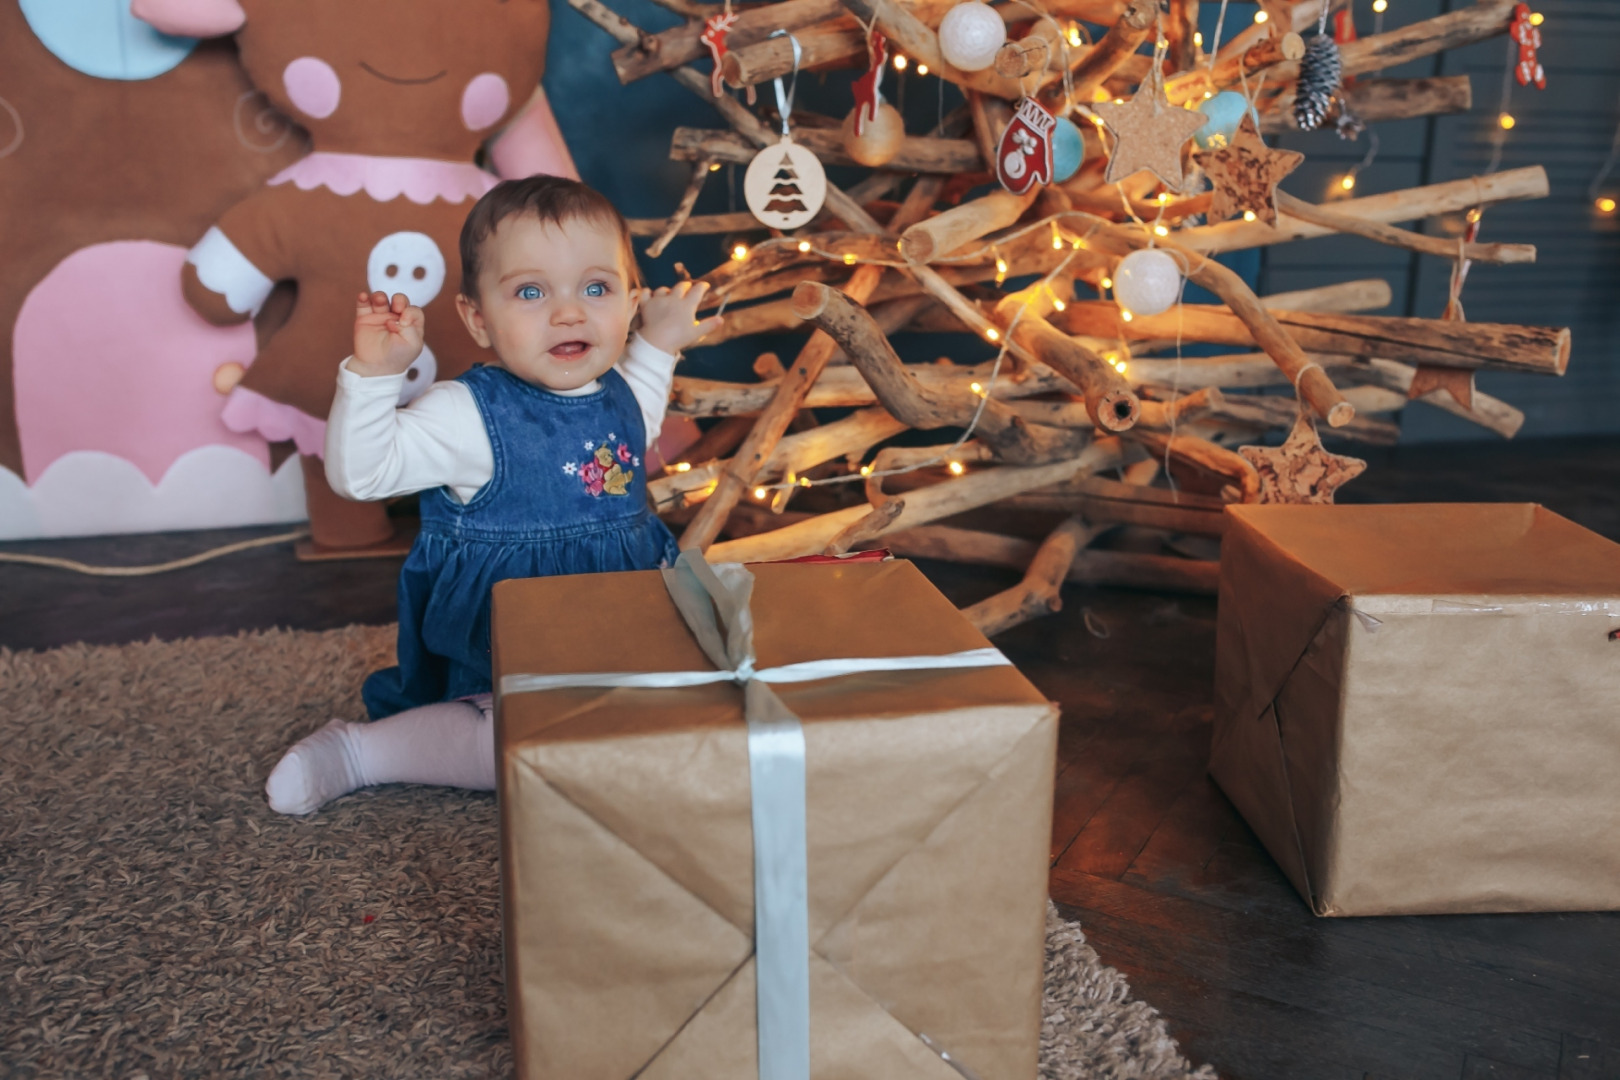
{"points": [[1091, 415]]}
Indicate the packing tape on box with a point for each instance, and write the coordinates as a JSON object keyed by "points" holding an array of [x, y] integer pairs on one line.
{"points": [[714, 601]]}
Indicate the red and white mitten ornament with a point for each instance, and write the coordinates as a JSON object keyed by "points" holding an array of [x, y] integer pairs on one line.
{"points": [[1024, 157], [1523, 30]]}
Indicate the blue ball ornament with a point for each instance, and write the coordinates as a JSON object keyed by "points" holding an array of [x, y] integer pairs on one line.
{"points": [[1225, 111], [1068, 150]]}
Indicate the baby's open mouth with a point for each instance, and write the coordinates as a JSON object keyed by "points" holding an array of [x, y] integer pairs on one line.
{"points": [[570, 350]]}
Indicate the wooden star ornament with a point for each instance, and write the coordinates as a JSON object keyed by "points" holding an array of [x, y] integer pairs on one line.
{"points": [[1300, 471], [1149, 133], [1245, 174], [1458, 382]]}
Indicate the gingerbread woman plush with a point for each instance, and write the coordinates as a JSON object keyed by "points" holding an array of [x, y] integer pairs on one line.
{"points": [[398, 97]]}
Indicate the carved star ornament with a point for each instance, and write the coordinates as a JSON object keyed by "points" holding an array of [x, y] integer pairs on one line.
{"points": [[1149, 133], [1245, 174], [1300, 471]]}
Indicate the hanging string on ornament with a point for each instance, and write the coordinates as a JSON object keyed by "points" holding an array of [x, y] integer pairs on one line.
{"points": [[874, 130], [785, 185], [1321, 72]]}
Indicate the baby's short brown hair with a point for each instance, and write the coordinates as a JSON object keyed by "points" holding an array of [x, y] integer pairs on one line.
{"points": [[552, 199]]}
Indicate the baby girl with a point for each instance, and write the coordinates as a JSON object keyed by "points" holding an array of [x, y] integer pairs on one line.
{"points": [[531, 464]]}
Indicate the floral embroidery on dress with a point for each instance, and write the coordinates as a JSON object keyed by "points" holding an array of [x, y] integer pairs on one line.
{"points": [[604, 472]]}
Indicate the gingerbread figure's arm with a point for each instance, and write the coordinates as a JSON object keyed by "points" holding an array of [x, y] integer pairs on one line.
{"points": [[532, 144], [230, 272]]}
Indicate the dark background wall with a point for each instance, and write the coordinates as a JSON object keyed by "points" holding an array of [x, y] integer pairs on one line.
{"points": [[620, 138]]}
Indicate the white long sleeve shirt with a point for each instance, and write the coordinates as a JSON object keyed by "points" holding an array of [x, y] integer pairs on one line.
{"points": [[376, 450]]}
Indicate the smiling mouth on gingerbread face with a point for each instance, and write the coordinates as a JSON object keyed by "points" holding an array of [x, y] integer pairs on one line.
{"points": [[397, 81]]}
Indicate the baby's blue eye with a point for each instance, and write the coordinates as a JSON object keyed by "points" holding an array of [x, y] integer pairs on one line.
{"points": [[529, 292], [596, 288]]}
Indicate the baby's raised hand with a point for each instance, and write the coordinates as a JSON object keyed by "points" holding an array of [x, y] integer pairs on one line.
{"points": [[387, 334], [669, 316]]}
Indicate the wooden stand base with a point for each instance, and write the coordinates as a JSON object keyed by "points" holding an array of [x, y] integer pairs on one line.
{"points": [[395, 547]]}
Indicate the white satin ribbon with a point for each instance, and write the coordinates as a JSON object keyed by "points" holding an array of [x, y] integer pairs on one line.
{"points": [[714, 602]]}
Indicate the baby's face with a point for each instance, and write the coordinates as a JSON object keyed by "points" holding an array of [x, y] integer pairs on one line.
{"points": [[554, 302]]}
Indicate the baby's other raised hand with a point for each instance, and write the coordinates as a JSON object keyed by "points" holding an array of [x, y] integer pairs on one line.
{"points": [[669, 316], [387, 334]]}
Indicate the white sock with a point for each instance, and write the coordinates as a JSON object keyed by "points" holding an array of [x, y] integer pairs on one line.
{"points": [[450, 743]]}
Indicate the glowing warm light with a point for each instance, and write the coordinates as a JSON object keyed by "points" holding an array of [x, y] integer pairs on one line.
{"points": [[804, 481], [993, 334], [1057, 241], [1261, 16], [1348, 181], [682, 466], [804, 245], [1074, 36], [1120, 367], [977, 388], [957, 468], [1507, 121], [1119, 101], [1107, 283], [1208, 94], [922, 69], [866, 470], [1001, 265], [1380, 6], [1099, 96], [759, 493], [1250, 215], [1474, 215], [1198, 39], [1537, 18], [849, 260], [1162, 197], [1160, 230], [1112, 358], [899, 63], [1058, 305], [1606, 205], [1078, 244], [1127, 316], [740, 252], [714, 166]]}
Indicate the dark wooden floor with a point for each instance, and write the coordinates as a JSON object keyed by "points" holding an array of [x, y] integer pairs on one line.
{"points": [[1170, 884]]}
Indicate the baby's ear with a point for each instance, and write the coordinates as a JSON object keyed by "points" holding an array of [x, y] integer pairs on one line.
{"points": [[472, 317]]}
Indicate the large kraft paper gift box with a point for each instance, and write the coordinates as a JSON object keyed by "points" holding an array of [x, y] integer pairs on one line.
{"points": [[1418, 707], [626, 843]]}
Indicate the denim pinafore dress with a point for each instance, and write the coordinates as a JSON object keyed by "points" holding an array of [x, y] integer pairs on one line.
{"points": [[568, 496]]}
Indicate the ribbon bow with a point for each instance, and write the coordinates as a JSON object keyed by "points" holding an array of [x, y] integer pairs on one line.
{"points": [[714, 601]]}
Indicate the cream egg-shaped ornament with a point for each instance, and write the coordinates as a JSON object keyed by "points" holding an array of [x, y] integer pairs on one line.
{"points": [[879, 138], [971, 34], [1147, 282], [785, 185]]}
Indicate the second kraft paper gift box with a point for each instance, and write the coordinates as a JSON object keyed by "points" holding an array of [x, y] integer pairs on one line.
{"points": [[1418, 706], [626, 860]]}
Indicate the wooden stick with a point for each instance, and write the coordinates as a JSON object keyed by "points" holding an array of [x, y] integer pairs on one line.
{"points": [[917, 153], [920, 507], [845, 388], [1179, 28], [1363, 294], [837, 42], [698, 225], [1239, 371], [1122, 39], [1181, 519], [1410, 204], [682, 44], [680, 487], [945, 233], [1206, 456], [1327, 217], [850, 437], [1464, 26], [1109, 399], [1488, 412], [719, 441], [1270, 411], [683, 210], [1542, 350], [1379, 100], [1117, 568], [916, 404], [1040, 593], [990, 117]]}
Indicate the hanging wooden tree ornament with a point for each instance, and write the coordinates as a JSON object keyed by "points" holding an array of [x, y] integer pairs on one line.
{"points": [[1024, 156], [1149, 132], [1245, 175], [1529, 69], [1300, 471], [874, 130], [785, 184]]}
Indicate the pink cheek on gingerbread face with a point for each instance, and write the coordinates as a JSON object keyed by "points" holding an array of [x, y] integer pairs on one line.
{"points": [[312, 86], [484, 101]]}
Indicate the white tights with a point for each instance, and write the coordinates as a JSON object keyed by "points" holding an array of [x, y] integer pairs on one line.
{"points": [[450, 743]]}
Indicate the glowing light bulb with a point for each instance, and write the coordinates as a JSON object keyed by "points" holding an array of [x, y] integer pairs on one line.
{"points": [[1606, 205], [1162, 198], [922, 69], [1099, 96], [1250, 215], [866, 470], [1127, 316], [1120, 367], [714, 166], [957, 468], [804, 245], [1107, 283], [977, 388], [1057, 241], [1074, 36], [1474, 215], [899, 62], [1058, 305], [1119, 101], [1537, 18], [804, 481], [993, 334], [1348, 181], [1507, 121], [1380, 6], [682, 466], [1160, 230], [740, 252], [759, 493], [849, 260], [1198, 39], [1261, 16], [1001, 265]]}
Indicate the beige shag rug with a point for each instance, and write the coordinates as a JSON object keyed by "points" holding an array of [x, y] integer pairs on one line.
{"points": [[157, 920]]}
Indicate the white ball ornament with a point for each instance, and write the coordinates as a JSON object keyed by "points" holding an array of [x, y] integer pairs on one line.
{"points": [[1147, 282], [971, 34]]}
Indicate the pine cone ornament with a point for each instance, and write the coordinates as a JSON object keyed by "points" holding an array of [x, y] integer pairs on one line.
{"points": [[1319, 75]]}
